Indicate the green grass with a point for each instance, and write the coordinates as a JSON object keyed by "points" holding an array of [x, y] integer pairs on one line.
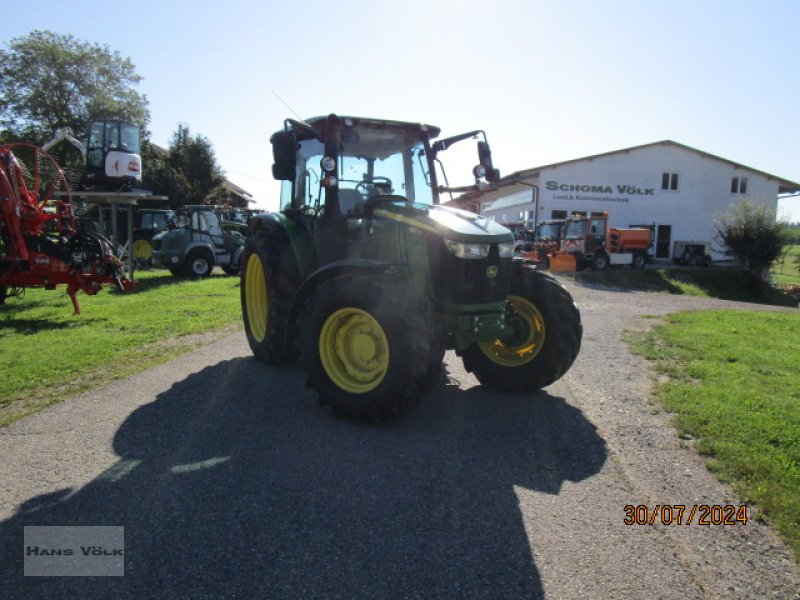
{"points": [[724, 283], [48, 354], [733, 381], [786, 270]]}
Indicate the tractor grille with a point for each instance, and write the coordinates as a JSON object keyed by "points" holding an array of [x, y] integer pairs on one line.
{"points": [[465, 281], [156, 244]]}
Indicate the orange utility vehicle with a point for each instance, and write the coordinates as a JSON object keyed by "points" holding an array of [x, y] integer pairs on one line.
{"points": [[590, 242]]}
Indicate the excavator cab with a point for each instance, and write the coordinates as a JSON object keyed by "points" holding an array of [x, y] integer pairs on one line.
{"points": [[113, 153]]}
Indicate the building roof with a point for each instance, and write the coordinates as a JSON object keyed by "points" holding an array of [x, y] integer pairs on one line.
{"points": [[519, 180]]}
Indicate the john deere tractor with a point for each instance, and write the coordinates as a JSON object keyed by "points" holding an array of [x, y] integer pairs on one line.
{"points": [[366, 280]]}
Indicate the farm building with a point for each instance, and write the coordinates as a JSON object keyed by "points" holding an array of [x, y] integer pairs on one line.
{"points": [[676, 191]]}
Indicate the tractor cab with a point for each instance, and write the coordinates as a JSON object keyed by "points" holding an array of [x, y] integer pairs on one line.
{"points": [[113, 154], [337, 165]]}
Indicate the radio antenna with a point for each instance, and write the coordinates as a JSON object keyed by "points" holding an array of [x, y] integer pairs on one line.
{"points": [[287, 106]]}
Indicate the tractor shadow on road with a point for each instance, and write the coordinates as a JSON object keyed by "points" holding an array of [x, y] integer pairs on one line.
{"points": [[234, 482]]}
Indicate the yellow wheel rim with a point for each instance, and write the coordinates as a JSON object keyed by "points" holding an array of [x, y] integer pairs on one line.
{"points": [[255, 297], [142, 249], [354, 350], [524, 351]]}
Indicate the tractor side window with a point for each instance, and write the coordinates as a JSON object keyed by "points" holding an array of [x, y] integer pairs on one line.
{"points": [[420, 187], [147, 221], [159, 221], [307, 184], [210, 223]]}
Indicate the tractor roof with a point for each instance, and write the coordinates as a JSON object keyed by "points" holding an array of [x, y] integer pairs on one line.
{"points": [[433, 132]]}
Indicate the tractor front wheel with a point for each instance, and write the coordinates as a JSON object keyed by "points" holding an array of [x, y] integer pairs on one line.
{"points": [[199, 264], [546, 339], [366, 347]]}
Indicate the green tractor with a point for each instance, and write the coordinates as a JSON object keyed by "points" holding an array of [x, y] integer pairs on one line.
{"points": [[365, 280]]}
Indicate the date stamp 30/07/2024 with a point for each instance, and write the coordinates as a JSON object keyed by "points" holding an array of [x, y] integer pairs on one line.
{"points": [[686, 514]]}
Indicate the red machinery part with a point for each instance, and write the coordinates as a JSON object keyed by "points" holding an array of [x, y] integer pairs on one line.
{"points": [[40, 248]]}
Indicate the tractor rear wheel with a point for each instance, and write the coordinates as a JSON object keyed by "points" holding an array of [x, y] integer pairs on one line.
{"points": [[266, 294], [545, 343], [366, 347]]}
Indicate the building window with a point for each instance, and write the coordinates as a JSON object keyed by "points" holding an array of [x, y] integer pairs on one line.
{"points": [[739, 185], [558, 214], [669, 182]]}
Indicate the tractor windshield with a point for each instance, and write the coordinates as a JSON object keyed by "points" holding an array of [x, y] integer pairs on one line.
{"points": [[369, 162]]}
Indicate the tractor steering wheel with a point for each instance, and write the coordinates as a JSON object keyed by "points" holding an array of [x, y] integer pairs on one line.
{"points": [[367, 187]]}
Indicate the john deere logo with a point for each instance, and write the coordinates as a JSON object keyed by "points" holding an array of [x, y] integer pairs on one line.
{"points": [[491, 272]]}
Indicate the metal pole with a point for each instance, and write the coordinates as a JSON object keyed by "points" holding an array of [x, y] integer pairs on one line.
{"points": [[101, 221], [131, 261], [114, 226]]}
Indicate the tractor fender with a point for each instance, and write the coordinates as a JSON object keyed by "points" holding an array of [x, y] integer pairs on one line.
{"points": [[352, 266], [236, 257], [191, 246]]}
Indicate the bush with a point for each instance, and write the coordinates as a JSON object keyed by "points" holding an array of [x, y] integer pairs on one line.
{"points": [[750, 233]]}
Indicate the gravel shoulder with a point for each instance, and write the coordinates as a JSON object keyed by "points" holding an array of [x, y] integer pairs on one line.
{"points": [[613, 389]]}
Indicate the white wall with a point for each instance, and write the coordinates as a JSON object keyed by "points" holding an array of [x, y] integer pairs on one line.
{"points": [[628, 186]]}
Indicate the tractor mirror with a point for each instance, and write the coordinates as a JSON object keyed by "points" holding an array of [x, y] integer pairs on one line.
{"points": [[284, 152], [485, 159]]}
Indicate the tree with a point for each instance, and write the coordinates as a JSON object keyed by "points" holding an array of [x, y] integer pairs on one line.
{"points": [[188, 173], [750, 233], [49, 80]]}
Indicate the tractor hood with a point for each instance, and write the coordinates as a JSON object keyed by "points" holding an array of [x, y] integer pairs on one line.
{"points": [[445, 222]]}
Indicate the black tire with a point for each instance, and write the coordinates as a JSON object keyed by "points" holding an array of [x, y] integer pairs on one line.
{"points": [[600, 261], [265, 325], [396, 369], [177, 272], [231, 269], [199, 263], [639, 260], [558, 344]]}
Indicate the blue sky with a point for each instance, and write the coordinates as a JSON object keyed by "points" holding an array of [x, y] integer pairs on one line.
{"points": [[548, 81]]}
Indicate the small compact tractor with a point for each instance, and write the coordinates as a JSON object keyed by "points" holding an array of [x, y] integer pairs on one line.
{"points": [[366, 280], [197, 242], [40, 245]]}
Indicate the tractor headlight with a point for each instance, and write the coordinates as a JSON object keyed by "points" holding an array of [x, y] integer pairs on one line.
{"points": [[467, 250], [506, 250]]}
